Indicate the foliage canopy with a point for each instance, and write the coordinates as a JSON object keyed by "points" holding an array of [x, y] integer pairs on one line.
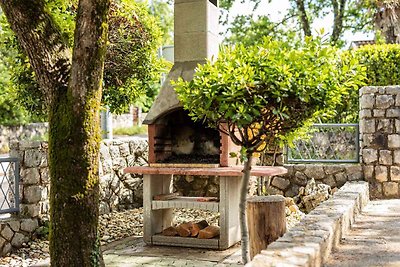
{"points": [[269, 90]]}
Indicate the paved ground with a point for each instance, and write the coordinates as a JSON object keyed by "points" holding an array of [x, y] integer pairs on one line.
{"points": [[132, 252], [374, 239]]}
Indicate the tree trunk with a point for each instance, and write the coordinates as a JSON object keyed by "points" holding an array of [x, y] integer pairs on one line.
{"points": [[267, 221], [73, 93], [242, 208], [304, 21], [338, 13]]}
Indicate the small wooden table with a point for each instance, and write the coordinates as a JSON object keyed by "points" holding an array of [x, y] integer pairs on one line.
{"points": [[158, 214]]}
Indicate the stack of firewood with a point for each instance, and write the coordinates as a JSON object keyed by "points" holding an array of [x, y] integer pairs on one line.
{"points": [[191, 229]]}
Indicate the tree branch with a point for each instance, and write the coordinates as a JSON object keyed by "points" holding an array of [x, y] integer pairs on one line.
{"points": [[338, 13], [305, 23]]}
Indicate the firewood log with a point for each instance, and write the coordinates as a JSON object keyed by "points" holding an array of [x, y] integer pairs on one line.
{"points": [[209, 232], [170, 231], [196, 227], [184, 229]]}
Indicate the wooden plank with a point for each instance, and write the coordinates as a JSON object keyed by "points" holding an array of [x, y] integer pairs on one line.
{"points": [[229, 211], [185, 202], [154, 221], [220, 171], [185, 241], [183, 165]]}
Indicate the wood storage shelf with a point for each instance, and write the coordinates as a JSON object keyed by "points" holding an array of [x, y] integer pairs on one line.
{"points": [[185, 203], [158, 214]]}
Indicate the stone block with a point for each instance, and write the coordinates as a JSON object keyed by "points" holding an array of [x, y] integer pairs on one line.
{"points": [[14, 225], [44, 175], [395, 173], [369, 156], [34, 158], [398, 101], [381, 173], [378, 113], [368, 140], [393, 113], [32, 194], [394, 141], [367, 126], [397, 126], [315, 171], [392, 90], [30, 210], [6, 249], [300, 178], [340, 178], [384, 101], [18, 240], [29, 225], [365, 113], [385, 126], [30, 176], [369, 90], [280, 183], [274, 191], [2, 242], [367, 101], [396, 157], [382, 91], [385, 157], [332, 169], [390, 189], [330, 181], [7, 233], [375, 190]]}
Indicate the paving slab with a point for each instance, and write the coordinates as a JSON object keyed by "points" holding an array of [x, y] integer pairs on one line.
{"points": [[132, 252], [374, 239]]}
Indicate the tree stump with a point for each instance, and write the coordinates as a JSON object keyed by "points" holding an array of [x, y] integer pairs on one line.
{"points": [[266, 221]]}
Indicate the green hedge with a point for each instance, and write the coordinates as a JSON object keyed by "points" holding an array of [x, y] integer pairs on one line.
{"points": [[381, 62]]}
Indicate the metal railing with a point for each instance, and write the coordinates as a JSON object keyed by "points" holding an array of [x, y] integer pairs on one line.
{"points": [[9, 187], [326, 143]]}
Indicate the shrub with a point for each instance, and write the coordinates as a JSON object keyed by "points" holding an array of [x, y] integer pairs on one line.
{"points": [[381, 62]]}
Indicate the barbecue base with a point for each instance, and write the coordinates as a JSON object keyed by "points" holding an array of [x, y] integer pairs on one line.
{"points": [[158, 214]]}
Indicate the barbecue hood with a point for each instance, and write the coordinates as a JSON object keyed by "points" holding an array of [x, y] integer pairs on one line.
{"points": [[195, 40]]}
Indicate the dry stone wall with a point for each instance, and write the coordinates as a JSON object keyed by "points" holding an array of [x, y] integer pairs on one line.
{"points": [[380, 139], [22, 132], [334, 175]]}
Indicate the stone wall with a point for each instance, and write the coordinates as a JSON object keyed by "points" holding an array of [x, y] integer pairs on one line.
{"points": [[334, 175], [380, 139], [22, 132], [118, 190]]}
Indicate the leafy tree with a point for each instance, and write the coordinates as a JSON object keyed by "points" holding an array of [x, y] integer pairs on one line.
{"points": [[264, 93], [71, 82], [348, 15], [132, 67]]}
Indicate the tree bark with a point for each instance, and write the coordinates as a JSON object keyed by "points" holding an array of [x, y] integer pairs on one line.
{"points": [[73, 92], [305, 23], [267, 221], [242, 209], [338, 13]]}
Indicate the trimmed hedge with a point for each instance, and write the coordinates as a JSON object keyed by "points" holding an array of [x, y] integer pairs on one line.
{"points": [[381, 62]]}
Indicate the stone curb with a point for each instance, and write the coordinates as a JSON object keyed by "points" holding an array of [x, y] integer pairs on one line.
{"points": [[311, 241]]}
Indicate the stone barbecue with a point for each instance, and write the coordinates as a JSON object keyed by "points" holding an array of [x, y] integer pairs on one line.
{"points": [[179, 146]]}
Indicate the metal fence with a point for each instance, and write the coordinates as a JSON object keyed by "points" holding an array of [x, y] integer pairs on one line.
{"points": [[326, 143], [9, 188]]}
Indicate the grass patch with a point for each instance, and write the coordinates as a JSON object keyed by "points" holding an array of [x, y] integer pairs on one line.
{"points": [[134, 130]]}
